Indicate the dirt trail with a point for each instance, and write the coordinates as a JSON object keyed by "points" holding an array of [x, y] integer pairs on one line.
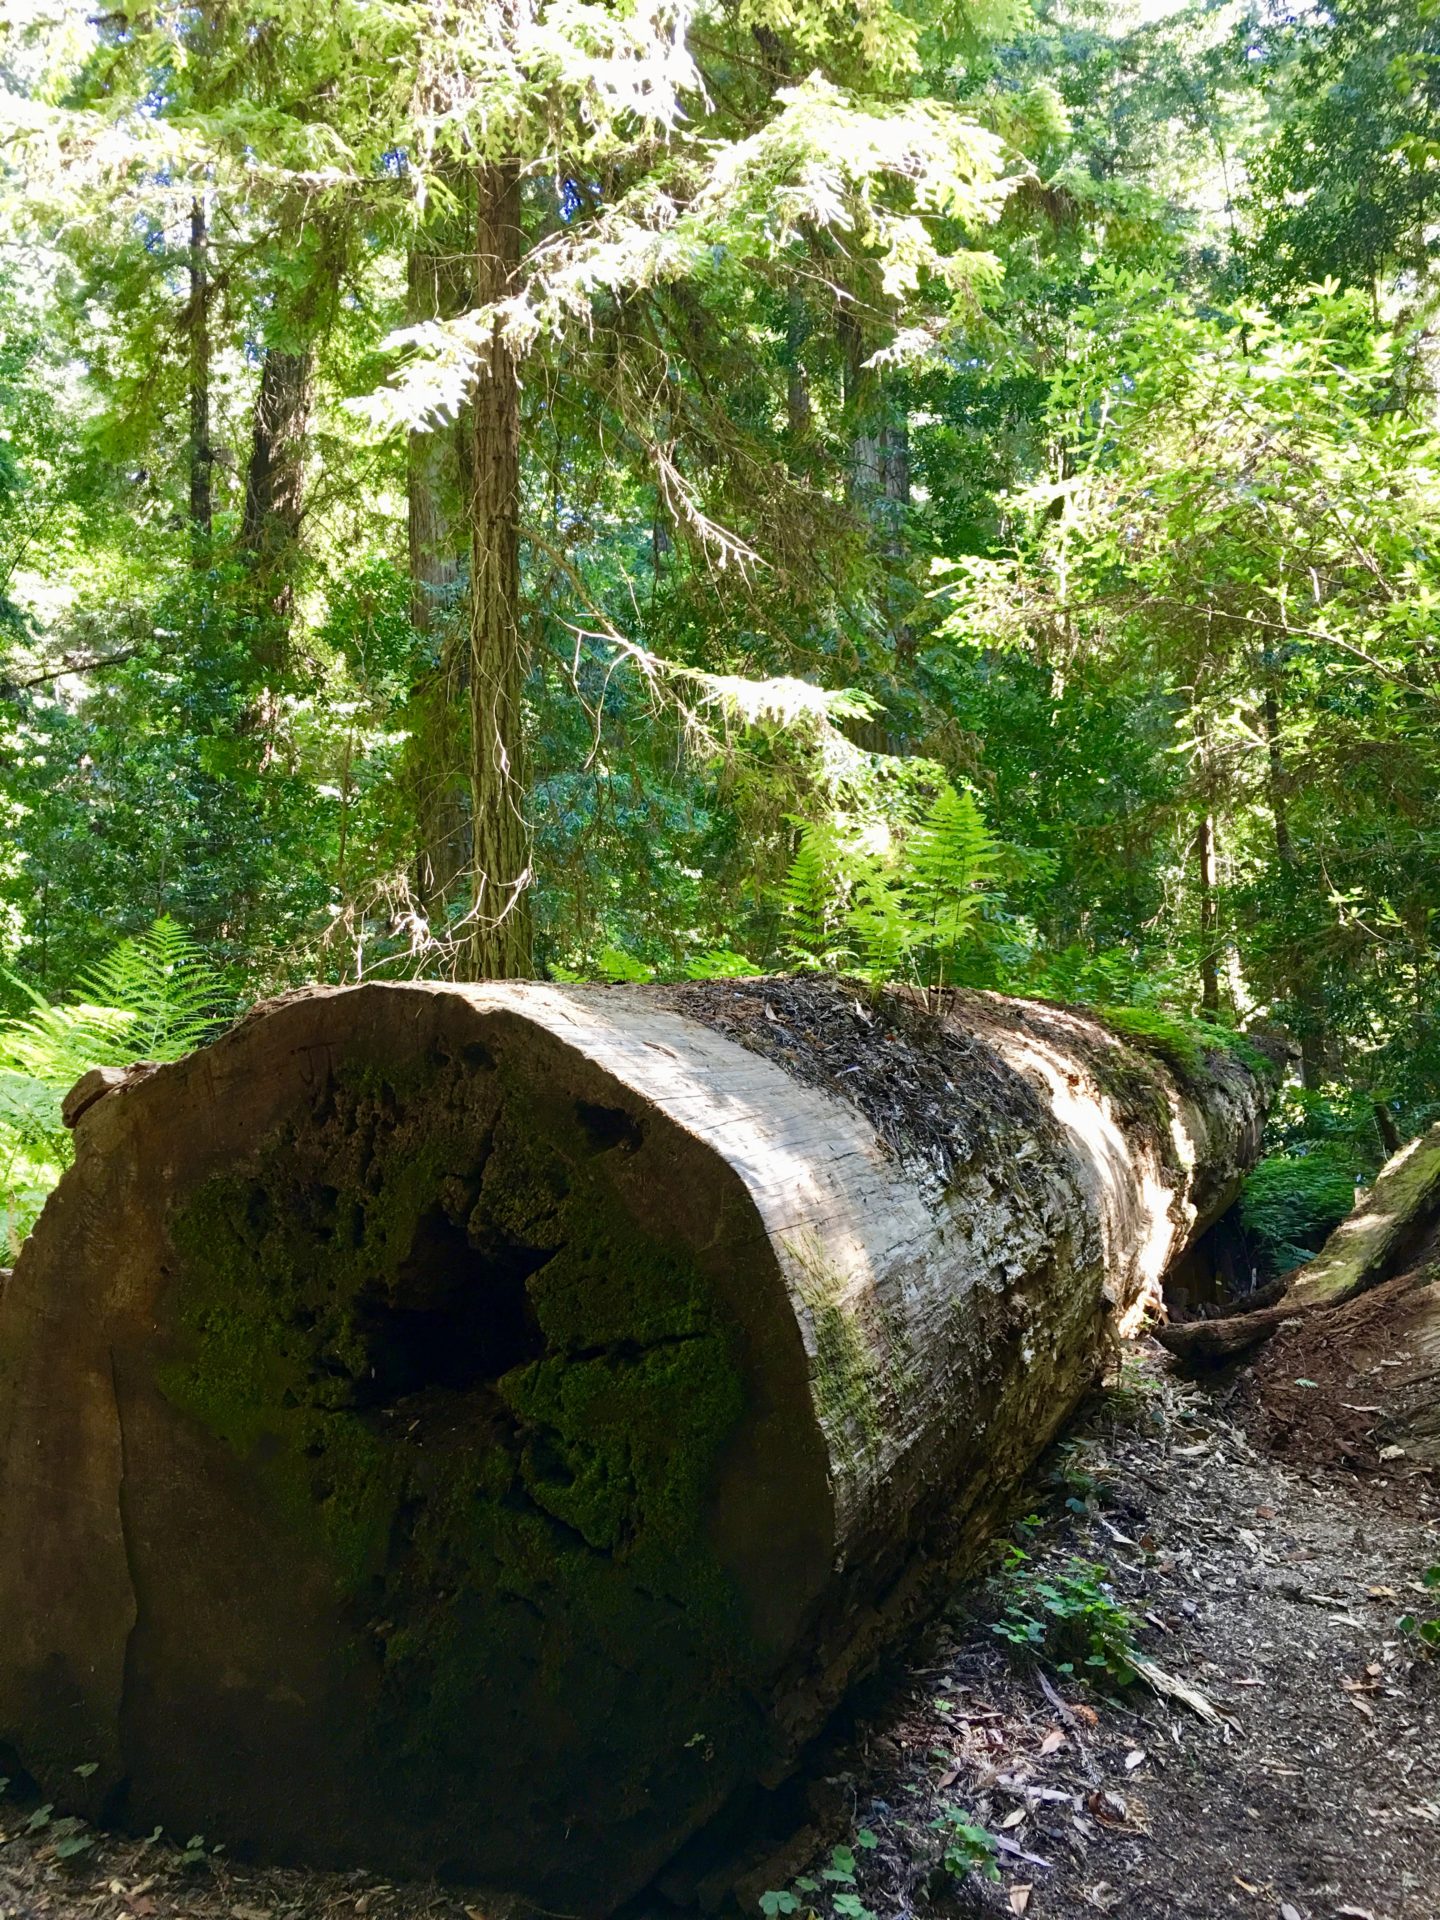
{"points": [[1273, 1587]]}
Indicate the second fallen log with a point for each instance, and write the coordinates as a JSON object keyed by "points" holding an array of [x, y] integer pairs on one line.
{"points": [[473, 1429]]}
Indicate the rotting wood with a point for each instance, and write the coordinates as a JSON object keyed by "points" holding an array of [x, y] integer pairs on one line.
{"points": [[473, 1429]]}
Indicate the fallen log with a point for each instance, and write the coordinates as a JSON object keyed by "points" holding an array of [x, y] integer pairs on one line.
{"points": [[472, 1430], [1353, 1378], [1387, 1224]]}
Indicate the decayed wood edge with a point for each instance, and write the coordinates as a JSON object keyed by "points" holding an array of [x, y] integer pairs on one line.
{"points": [[1365, 1249], [1379, 1233]]}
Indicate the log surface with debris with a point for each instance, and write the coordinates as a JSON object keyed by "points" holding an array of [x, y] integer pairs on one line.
{"points": [[472, 1430]]}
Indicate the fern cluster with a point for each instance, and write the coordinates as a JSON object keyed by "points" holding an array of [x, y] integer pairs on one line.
{"points": [[152, 997], [885, 910]]}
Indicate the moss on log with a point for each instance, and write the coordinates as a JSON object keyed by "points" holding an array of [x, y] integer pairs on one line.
{"points": [[473, 1430]]}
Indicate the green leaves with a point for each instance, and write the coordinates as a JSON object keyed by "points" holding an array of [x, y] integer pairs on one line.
{"points": [[969, 1847], [889, 903], [154, 998], [1066, 1617]]}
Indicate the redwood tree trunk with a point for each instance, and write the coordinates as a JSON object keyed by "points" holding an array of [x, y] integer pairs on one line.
{"points": [[1209, 917], [1299, 984], [435, 758], [474, 1429], [500, 934], [202, 454], [275, 492]]}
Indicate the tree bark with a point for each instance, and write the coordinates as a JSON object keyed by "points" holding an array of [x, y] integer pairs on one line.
{"points": [[1209, 917], [202, 454], [436, 756], [473, 1430], [501, 932], [799, 408], [275, 492], [1311, 1022]]}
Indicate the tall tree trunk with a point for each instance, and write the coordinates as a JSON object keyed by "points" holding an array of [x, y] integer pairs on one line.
{"points": [[435, 758], [878, 483], [865, 479], [501, 926], [274, 492], [1311, 1021], [201, 453], [799, 412], [1209, 916]]}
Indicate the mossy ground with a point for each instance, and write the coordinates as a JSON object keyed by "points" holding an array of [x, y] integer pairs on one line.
{"points": [[426, 1322]]}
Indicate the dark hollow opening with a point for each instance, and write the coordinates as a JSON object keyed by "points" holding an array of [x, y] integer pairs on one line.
{"points": [[607, 1127], [456, 1318]]}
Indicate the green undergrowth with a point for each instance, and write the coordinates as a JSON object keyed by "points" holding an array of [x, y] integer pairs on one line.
{"points": [[1064, 1616], [1424, 1630], [1184, 1045], [1292, 1202], [452, 1366]]}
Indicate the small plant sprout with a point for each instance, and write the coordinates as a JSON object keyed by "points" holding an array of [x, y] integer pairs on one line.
{"points": [[1425, 1632], [1065, 1618], [968, 1848]]}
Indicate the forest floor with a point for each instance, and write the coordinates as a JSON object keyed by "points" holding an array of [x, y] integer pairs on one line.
{"points": [[1270, 1584]]}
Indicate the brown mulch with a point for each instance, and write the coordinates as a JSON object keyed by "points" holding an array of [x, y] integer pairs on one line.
{"points": [[1358, 1385]]}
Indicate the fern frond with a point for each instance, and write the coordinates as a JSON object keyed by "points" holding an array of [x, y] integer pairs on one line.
{"points": [[55, 1045], [807, 897], [879, 923], [952, 858], [154, 998], [162, 980], [720, 963], [954, 851]]}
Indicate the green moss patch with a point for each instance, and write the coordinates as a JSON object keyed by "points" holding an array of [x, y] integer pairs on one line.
{"points": [[427, 1323]]}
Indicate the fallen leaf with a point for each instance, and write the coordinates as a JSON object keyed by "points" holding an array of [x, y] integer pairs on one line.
{"points": [[1019, 1899], [1108, 1808], [144, 1906], [1361, 1706], [1053, 1741], [1086, 1714], [1287, 1912], [1012, 1820], [1353, 1913], [1135, 1758], [948, 1778], [1264, 1513], [1382, 1593]]}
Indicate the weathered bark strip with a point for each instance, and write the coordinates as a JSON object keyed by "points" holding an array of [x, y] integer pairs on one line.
{"points": [[473, 1429], [1376, 1239]]}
